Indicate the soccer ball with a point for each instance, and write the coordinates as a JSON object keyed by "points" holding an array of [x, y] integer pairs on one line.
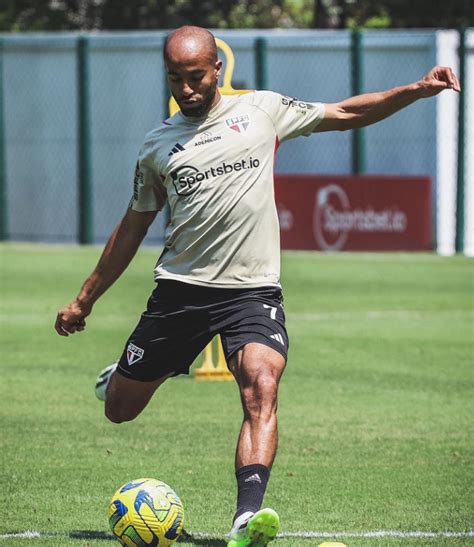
{"points": [[146, 512]]}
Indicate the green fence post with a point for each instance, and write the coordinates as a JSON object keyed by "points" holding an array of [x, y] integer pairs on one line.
{"points": [[3, 166], [84, 148], [460, 201], [357, 84], [261, 63], [166, 102], [166, 89]]}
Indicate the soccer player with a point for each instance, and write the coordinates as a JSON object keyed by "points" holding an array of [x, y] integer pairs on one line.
{"points": [[219, 272]]}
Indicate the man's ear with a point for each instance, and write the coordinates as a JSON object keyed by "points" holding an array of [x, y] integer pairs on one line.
{"points": [[218, 68]]}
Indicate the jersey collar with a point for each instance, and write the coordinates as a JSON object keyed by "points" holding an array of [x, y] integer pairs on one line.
{"points": [[214, 112]]}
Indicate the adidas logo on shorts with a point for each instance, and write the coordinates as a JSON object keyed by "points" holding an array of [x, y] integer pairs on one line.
{"points": [[278, 337]]}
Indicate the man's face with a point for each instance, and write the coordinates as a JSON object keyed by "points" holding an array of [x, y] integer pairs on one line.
{"points": [[192, 79]]}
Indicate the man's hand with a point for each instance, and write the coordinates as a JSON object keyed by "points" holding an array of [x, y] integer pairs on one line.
{"points": [[71, 319], [438, 79], [117, 254]]}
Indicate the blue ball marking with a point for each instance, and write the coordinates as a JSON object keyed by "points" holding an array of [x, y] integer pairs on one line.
{"points": [[130, 485], [143, 497], [172, 533], [120, 508]]}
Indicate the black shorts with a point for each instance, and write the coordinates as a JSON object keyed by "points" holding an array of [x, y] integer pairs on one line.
{"points": [[181, 319]]}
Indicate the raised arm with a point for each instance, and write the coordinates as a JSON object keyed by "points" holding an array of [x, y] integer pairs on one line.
{"points": [[118, 252], [370, 108]]}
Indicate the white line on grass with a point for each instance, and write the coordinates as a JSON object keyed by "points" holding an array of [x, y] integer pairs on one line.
{"points": [[378, 534], [303, 535], [33, 318], [27, 535], [370, 314]]}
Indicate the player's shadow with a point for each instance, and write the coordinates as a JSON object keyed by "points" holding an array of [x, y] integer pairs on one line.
{"points": [[91, 534], [207, 542], [184, 538]]}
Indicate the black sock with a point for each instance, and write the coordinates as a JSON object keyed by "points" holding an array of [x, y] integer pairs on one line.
{"points": [[251, 485]]}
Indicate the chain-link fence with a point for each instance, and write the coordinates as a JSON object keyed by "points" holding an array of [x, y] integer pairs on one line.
{"points": [[46, 140], [127, 100], [40, 138]]}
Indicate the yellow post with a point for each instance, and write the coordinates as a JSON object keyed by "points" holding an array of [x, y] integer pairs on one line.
{"points": [[209, 371]]}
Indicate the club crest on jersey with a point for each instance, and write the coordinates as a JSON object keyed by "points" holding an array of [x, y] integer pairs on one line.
{"points": [[239, 124], [134, 354]]}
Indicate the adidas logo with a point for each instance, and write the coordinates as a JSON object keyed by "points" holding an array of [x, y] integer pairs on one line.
{"points": [[254, 478], [176, 148], [278, 337]]}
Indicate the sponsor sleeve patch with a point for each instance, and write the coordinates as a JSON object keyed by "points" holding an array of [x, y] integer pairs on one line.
{"points": [[137, 181]]}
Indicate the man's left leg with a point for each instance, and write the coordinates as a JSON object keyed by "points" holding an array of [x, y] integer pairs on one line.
{"points": [[257, 369]]}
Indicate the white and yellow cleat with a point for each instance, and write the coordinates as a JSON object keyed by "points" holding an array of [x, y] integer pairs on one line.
{"points": [[103, 381], [254, 529]]}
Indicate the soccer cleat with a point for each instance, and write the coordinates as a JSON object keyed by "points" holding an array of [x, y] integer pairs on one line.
{"points": [[255, 530], [103, 381]]}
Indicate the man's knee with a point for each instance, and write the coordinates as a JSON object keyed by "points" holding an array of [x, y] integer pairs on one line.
{"points": [[118, 414], [126, 398], [260, 398], [118, 409]]}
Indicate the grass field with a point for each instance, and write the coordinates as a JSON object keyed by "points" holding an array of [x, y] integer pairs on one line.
{"points": [[376, 405]]}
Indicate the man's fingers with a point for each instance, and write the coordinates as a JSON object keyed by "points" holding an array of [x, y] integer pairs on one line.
{"points": [[451, 79], [65, 328], [80, 325], [457, 85], [70, 319], [60, 329], [447, 75], [440, 78]]}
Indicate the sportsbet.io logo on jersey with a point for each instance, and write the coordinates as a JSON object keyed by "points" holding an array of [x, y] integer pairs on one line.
{"points": [[187, 178]]}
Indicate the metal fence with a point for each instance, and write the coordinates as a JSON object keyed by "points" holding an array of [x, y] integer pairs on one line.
{"points": [[74, 110]]}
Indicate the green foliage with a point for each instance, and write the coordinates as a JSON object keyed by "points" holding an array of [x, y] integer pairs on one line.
{"points": [[375, 407], [22, 15]]}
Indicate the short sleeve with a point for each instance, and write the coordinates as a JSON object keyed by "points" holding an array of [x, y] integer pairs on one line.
{"points": [[148, 190], [291, 117]]}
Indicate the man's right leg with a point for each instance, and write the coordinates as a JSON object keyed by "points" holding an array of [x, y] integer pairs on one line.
{"points": [[126, 398], [165, 342]]}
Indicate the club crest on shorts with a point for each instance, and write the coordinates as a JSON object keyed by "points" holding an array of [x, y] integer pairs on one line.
{"points": [[134, 354]]}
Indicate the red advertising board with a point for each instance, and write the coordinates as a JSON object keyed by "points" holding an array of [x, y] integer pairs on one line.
{"points": [[354, 213]]}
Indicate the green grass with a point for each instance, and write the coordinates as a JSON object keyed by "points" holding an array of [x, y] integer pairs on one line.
{"points": [[376, 411]]}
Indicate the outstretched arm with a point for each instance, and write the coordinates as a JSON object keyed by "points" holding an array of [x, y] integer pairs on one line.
{"points": [[118, 252], [370, 108]]}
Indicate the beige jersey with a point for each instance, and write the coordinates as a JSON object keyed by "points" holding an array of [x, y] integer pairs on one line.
{"points": [[217, 172]]}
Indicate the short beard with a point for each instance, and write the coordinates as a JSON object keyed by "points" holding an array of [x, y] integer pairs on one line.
{"points": [[205, 106]]}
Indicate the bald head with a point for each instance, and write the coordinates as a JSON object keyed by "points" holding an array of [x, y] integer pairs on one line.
{"points": [[188, 42], [193, 69]]}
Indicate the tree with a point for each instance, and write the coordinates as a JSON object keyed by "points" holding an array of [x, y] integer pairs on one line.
{"points": [[24, 15], [409, 14]]}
